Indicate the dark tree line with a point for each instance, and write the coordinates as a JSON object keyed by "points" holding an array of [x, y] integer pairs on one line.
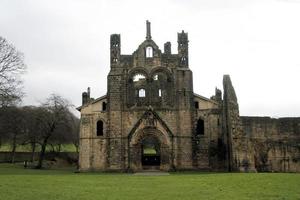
{"points": [[49, 125]]}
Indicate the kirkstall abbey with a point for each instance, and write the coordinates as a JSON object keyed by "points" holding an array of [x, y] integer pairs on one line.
{"points": [[151, 118]]}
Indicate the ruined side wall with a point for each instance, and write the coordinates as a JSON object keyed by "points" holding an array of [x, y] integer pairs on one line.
{"points": [[206, 147], [276, 142], [238, 147]]}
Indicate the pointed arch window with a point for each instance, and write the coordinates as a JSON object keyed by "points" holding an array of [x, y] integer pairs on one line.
{"points": [[149, 52], [100, 128], [183, 60]]}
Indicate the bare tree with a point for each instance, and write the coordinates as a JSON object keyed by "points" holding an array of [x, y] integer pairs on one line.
{"points": [[32, 129], [11, 66], [55, 116], [13, 127]]}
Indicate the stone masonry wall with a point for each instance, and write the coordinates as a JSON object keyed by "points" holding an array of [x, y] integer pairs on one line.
{"points": [[276, 142]]}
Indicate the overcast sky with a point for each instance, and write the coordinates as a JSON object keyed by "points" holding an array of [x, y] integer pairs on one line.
{"points": [[66, 45]]}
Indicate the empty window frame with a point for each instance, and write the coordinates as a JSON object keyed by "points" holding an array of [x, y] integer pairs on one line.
{"points": [[200, 127], [103, 106], [142, 93], [99, 128], [183, 60], [196, 104], [149, 52]]}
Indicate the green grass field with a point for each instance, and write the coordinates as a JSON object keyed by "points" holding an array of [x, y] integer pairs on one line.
{"points": [[27, 184], [27, 148]]}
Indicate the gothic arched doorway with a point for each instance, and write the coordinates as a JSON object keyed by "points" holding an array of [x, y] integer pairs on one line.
{"points": [[149, 148]]}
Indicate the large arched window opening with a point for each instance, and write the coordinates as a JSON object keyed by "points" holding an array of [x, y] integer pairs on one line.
{"points": [[162, 87], [100, 128], [200, 127], [137, 88], [138, 77]]}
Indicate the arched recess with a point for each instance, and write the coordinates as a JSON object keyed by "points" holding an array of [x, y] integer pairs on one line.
{"points": [[200, 129], [135, 146], [138, 70], [137, 79], [161, 69], [162, 87], [150, 125], [100, 127], [149, 52]]}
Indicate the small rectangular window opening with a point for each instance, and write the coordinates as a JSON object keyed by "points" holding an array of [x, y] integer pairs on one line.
{"points": [[99, 128], [103, 106], [200, 127], [196, 104]]}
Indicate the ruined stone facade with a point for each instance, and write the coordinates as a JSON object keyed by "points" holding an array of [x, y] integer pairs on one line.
{"points": [[151, 118]]}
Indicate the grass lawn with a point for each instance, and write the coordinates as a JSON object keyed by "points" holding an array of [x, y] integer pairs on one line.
{"points": [[27, 148], [27, 184]]}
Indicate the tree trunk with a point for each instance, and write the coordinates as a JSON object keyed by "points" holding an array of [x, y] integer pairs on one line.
{"points": [[77, 148], [42, 153], [59, 148], [14, 147], [77, 151], [33, 146]]}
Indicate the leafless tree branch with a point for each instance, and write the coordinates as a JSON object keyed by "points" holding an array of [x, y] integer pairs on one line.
{"points": [[11, 67]]}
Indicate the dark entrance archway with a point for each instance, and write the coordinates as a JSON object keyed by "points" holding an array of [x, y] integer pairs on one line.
{"points": [[150, 152], [149, 148]]}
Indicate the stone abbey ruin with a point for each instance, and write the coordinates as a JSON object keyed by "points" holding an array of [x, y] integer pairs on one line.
{"points": [[151, 118]]}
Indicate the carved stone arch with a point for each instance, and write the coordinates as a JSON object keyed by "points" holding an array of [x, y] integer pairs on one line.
{"points": [[163, 93], [138, 70], [151, 43], [133, 87], [150, 125], [144, 118], [135, 149], [164, 70], [138, 136]]}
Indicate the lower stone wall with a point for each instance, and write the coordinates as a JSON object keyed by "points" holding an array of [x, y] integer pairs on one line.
{"points": [[275, 142]]}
